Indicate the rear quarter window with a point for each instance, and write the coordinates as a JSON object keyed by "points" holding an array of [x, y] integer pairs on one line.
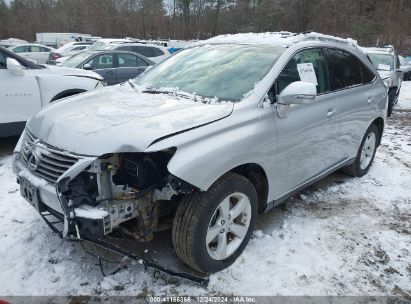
{"points": [[345, 68]]}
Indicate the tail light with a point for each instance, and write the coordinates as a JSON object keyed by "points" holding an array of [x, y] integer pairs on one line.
{"points": [[54, 56]]}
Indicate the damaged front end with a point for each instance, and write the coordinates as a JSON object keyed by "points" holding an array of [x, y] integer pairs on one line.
{"points": [[132, 192]]}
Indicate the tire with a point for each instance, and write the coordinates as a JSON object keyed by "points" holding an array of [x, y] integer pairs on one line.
{"points": [[198, 216], [357, 169]]}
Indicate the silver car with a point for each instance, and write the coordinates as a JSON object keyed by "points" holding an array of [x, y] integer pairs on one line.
{"points": [[387, 64], [205, 141]]}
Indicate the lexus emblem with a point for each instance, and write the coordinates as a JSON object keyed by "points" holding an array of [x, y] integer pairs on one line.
{"points": [[33, 159]]}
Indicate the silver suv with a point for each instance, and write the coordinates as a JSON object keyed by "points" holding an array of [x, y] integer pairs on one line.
{"points": [[205, 141], [387, 64]]}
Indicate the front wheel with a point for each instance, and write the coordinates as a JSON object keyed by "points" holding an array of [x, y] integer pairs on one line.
{"points": [[366, 153], [212, 228]]}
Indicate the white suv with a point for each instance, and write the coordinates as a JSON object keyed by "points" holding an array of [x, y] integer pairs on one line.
{"points": [[26, 87]]}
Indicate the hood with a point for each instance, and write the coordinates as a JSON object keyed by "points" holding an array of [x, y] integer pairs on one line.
{"points": [[63, 71], [118, 119]]}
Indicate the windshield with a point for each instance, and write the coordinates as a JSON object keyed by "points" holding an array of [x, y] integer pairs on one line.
{"points": [[74, 61], [382, 62], [227, 72]]}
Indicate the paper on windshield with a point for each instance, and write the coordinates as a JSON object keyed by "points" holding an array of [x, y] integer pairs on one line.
{"points": [[307, 73], [384, 67]]}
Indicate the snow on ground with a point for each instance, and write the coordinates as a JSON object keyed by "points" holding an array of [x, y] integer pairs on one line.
{"points": [[404, 100], [342, 236]]}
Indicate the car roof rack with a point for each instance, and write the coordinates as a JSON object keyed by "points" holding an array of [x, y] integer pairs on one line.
{"points": [[279, 38]]}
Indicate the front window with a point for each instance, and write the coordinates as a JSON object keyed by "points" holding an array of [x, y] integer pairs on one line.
{"points": [[227, 72], [104, 61], [292, 71], [382, 62]]}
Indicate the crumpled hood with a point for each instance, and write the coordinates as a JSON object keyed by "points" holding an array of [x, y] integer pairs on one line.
{"points": [[118, 119]]}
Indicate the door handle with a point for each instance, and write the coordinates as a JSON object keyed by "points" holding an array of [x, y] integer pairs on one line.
{"points": [[332, 112], [110, 73]]}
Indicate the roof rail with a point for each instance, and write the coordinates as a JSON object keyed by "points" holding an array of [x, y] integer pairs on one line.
{"points": [[390, 48], [309, 35]]}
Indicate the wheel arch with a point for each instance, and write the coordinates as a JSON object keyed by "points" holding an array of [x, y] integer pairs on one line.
{"points": [[257, 176], [379, 123]]}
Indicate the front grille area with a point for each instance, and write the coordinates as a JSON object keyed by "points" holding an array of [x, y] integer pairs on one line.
{"points": [[45, 161]]}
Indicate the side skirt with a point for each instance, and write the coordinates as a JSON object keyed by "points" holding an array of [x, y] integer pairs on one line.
{"points": [[313, 180]]}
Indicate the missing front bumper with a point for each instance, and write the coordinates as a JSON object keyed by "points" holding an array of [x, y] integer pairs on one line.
{"points": [[153, 254]]}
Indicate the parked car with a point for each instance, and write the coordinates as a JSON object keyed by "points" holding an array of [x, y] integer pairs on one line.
{"points": [[70, 52], [36, 52], [26, 87], [11, 42], [66, 51], [405, 67], [154, 52], [114, 66], [206, 140], [388, 66]]}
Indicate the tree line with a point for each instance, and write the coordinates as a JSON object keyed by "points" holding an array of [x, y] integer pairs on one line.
{"points": [[371, 22]]}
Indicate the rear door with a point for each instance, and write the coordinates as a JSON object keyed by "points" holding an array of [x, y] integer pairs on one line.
{"points": [[40, 54], [355, 97], [129, 66], [104, 64], [305, 139]]}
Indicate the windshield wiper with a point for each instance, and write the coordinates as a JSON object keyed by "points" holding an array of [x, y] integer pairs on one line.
{"points": [[132, 85], [179, 94]]}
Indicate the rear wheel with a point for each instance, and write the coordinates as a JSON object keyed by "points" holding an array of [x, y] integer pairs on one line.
{"points": [[366, 153], [212, 228]]}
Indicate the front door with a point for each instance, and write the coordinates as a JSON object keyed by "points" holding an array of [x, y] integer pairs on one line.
{"points": [[40, 54], [305, 139], [105, 66], [19, 97], [129, 66]]}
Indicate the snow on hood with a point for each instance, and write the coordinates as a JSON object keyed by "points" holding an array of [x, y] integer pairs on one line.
{"points": [[118, 119], [63, 71]]}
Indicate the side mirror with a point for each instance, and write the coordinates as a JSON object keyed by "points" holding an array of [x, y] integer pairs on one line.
{"points": [[87, 67], [14, 67], [298, 92]]}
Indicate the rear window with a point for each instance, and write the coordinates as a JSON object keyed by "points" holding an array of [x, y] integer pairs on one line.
{"points": [[346, 70], [147, 51]]}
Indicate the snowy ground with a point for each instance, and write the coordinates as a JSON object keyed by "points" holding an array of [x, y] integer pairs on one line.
{"points": [[342, 236]]}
